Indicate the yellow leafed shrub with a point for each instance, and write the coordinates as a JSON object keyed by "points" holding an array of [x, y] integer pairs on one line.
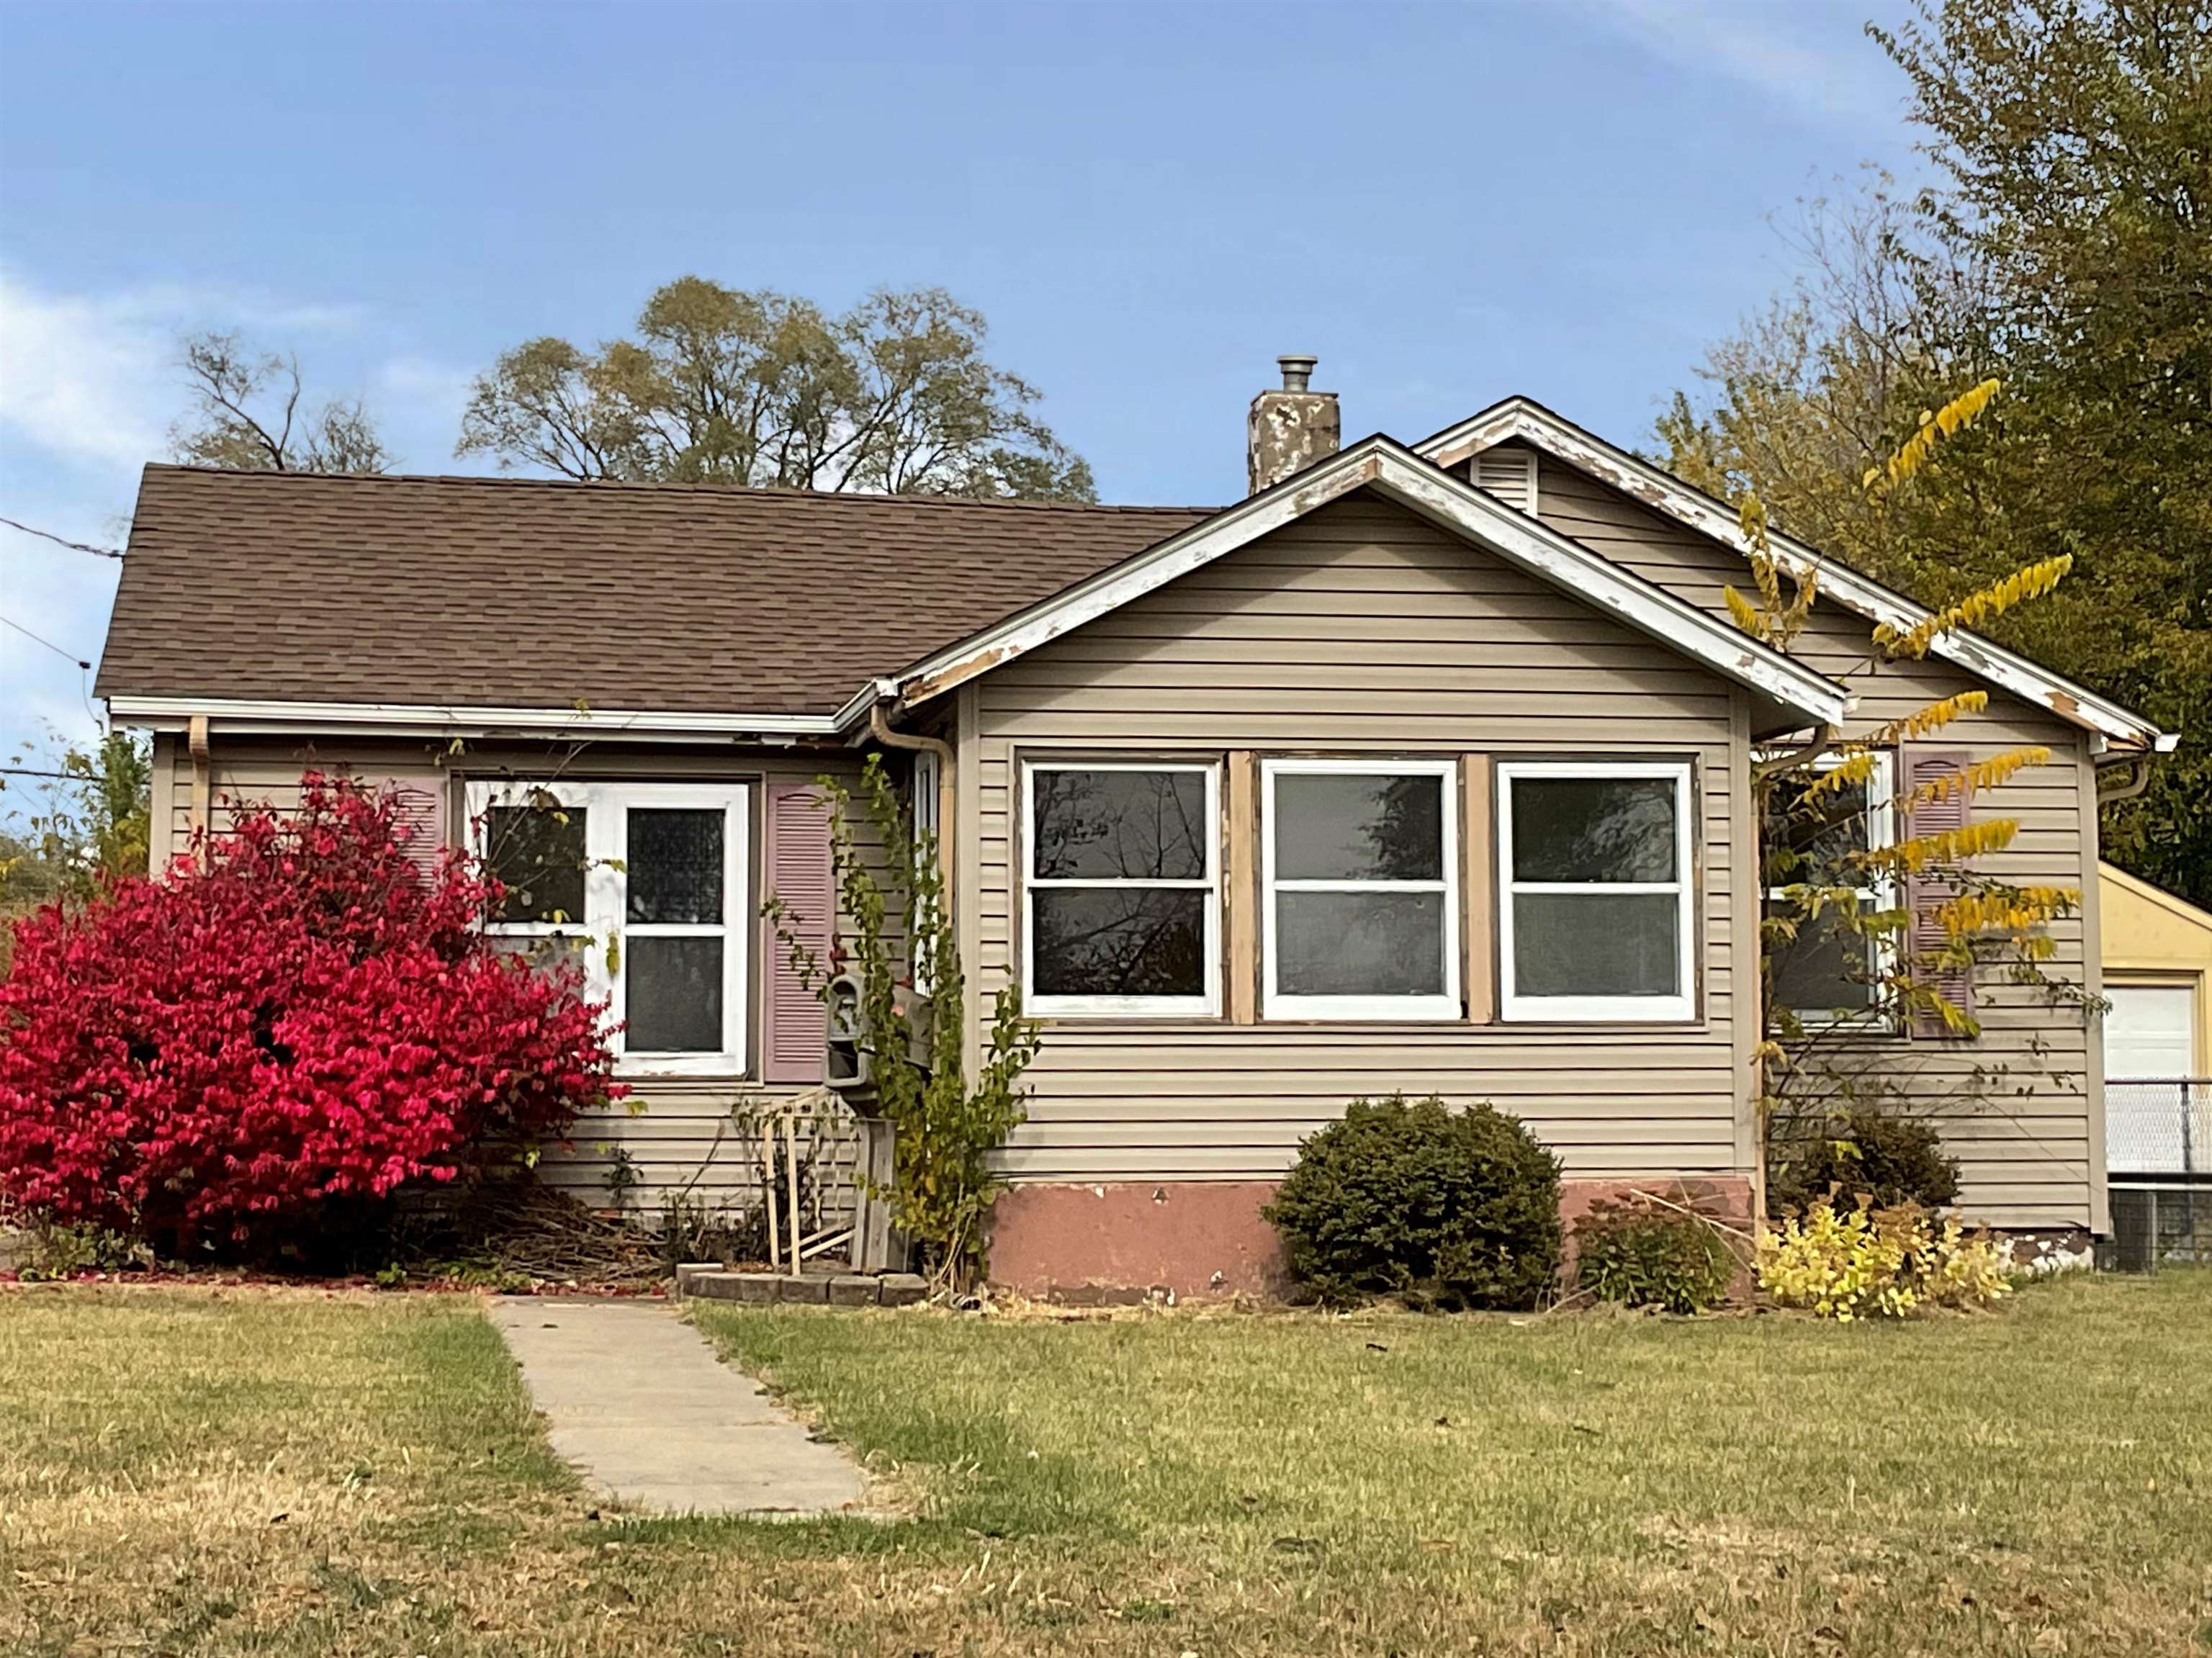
{"points": [[1856, 1263]]}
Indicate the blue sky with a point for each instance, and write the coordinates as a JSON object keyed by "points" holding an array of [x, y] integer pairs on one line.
{"points": [[1447, 203]]}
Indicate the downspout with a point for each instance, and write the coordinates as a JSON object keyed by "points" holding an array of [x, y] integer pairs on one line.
{"points": [[196, 743], [2138, 780], [879, 728]]}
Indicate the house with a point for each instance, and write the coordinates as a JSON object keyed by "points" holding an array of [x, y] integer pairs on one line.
{"points": [[1422, 767]]}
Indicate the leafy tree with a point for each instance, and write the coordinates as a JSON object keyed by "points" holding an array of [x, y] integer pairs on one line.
{"points": [[269, 1041], [2067, 249], [246, 416], [725, 386], [89, 826]]}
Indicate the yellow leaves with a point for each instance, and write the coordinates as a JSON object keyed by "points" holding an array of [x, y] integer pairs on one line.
{"points": [[1851, 1264], [2031, 581], [1751, 519], [1953, 418], [1988, 774], [2016, 910], [1916, 853], [1744, 613], [1933, 718], [1849, 773]]}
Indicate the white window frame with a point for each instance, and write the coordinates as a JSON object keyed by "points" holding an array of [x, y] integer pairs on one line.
{"points": [[1678, 1008], [1207, 1006], [607, 807], [1881, 893], [1277, 1005]]}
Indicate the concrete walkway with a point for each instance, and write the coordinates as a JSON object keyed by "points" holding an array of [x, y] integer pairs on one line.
{"points": [[635, 1398]]}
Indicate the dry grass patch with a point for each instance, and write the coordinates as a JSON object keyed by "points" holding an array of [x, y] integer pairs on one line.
{"points": [[2031, 1483]]}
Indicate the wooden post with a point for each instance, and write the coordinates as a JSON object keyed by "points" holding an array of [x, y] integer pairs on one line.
{"points": [[791, 1178], [1240, 875], [1478, 878], [871, 1211]]}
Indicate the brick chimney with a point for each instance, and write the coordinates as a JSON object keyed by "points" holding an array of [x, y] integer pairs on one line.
{"points": [[1289, 430]]}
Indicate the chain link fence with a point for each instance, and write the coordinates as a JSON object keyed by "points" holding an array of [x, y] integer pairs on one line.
{"points": [[2158, 1151]]}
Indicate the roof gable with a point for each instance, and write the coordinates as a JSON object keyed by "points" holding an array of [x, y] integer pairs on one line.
{"points": [[1662, 492], [1399, 475]]}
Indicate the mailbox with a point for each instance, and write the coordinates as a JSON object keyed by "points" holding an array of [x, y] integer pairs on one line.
{"points": [[852, 1052]]}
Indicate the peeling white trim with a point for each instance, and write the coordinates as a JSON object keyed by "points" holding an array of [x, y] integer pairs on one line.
{"points": [[236, 714], [1396, 473], [1533, 423]]}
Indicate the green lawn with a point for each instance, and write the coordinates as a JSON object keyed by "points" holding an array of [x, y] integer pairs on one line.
{"points": [[2037, 1481]]}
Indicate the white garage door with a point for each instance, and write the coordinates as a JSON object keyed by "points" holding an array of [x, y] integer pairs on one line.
{"points": [[2149, 1126], [2151, 1032]]}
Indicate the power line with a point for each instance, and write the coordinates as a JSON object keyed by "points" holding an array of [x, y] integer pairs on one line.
{"points": [[66, 656], [62, 541]]}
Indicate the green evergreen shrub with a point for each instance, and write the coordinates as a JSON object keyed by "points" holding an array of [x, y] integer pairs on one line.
{"points": [[1448, 1209], [1648, 1254], [1890, 1159]]}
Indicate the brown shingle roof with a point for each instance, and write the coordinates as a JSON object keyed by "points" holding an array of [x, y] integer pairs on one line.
{"points": [[524, 593]]}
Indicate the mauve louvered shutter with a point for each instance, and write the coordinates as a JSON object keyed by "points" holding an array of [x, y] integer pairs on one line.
{"points": [[1926, 893], [796, 863], [419, 814]]}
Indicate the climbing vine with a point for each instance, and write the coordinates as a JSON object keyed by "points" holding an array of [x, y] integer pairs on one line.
{"points": [[895, 934]]}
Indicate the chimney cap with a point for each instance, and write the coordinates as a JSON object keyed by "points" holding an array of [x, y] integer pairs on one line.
{"points": [[1297, 370]]}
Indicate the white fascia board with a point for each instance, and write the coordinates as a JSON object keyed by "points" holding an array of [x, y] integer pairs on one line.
{"points": [[1533, 423], [236, 715], [1399, 475]]}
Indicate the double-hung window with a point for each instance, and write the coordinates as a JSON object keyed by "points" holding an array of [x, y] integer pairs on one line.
{"points": [[1359, 862], [1121, 894], [1829, 972], [644, 885], [1594, 915]]}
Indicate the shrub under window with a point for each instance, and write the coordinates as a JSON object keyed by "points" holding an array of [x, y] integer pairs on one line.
{"points": [[1883, 1157], [1450, 1209]]}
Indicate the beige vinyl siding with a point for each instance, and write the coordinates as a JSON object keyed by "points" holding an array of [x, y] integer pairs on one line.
{"points": [[677, 1138], [2031, 1154], [1360, 630]]}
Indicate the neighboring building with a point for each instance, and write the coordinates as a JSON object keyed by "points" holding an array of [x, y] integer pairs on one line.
{"points": [[1421, 768], [2158, 1033], [2158, 976]]}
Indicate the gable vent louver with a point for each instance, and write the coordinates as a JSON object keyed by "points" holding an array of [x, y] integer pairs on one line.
{"points": [[1508, 473]]}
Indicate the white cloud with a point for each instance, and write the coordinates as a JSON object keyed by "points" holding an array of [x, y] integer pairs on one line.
{"points": [[83, 374], [1802, 58], [87, 377]]}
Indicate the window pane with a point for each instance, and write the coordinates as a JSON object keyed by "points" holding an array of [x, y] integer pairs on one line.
{"points": [[538, 854], [1359, 944], [1820, 832], [1364, 827], [1593, 828], [1095, 825], [675, 864], [1595, 943], [1108, 941], [544, 950], [1824, 968], [674, 995]]}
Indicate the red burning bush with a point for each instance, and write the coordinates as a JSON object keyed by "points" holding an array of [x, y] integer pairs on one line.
{"points": [[302, 1026]]}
